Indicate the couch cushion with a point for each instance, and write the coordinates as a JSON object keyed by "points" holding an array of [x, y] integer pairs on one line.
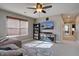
{"points": [[3, 39], [12, 46], [6, 48], [11, 52]]}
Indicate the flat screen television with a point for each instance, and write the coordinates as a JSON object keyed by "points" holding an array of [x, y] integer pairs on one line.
{"points": [[47, 25]]}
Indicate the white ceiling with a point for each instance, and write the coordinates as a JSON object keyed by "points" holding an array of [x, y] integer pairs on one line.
{"points": [[58, 8]]}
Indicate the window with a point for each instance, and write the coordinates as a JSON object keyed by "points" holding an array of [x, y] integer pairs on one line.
{"points": [[17, 27], [66, 28]]}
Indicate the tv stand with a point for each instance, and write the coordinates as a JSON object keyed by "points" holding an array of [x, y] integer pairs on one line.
{"points": [[50, 36]]}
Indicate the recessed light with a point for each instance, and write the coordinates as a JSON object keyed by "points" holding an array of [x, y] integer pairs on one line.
{"points": [[25, 12], [68, 16]]}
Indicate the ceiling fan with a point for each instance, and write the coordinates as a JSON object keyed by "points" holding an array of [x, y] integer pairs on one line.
{"points": [[40, 8]]}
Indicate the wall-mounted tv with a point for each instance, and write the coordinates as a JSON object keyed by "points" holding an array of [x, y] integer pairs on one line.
{"points": [[47, 25]]}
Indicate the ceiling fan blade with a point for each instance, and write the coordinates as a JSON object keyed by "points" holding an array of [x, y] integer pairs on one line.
{"points": [[35, 12], [31, 8], [43, 11], [50, 6]]}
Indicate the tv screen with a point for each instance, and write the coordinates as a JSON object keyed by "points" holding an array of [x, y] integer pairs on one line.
{"points": [[47, 25]]}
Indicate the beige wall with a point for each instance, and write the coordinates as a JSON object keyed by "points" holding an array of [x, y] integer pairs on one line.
{"points": [[3, 27], [57, 25], [77, 27]]}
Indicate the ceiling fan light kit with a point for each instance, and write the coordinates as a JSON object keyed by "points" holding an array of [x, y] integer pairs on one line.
{"points": [[40, 8]]}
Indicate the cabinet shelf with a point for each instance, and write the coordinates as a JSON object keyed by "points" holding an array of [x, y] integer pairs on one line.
{"points": [[36, 31]]}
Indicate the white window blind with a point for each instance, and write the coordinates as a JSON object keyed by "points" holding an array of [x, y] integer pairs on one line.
{"points": [[17, 27]]}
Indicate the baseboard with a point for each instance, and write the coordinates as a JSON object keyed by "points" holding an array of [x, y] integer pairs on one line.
{"points": [[58, 41]]}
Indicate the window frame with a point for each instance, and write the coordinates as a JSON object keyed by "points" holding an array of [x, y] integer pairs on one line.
{"points": [[19, 19]]}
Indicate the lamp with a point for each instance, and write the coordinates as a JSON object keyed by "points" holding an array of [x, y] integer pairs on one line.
{"points": [[73, 29]]}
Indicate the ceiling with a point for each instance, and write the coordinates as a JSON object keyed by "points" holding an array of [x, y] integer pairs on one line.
{"points": [[58, 8]]}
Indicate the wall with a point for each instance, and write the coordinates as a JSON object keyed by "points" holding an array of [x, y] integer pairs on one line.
{"points": [[77, 27], [57, 25], [3, 27]]}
